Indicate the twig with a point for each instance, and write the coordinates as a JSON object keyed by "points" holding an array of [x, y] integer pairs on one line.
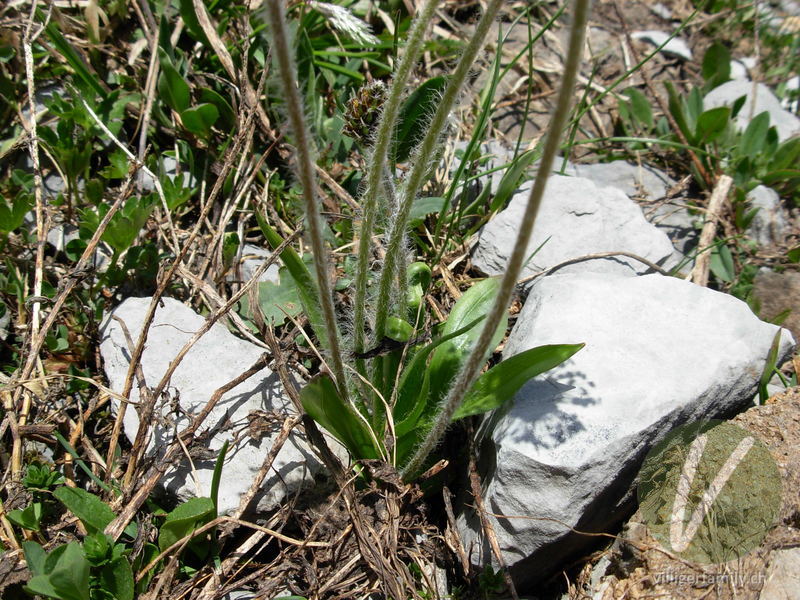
{"points": [[139, 445], [699, 274], [116, 527], [486, 524], [571, 261]]}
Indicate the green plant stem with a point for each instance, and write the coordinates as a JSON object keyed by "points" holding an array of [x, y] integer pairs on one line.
{"points": [[475, 360], [305, 167], [422, 160], [377, 165]]}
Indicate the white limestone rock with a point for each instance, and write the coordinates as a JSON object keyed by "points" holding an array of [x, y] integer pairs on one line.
{"points": [[216, 359], [726, 94], [660, 352], [579, 218], [676, 46], [769, 224]]}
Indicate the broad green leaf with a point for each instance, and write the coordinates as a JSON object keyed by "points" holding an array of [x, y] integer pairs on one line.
{"points": [[117, 579], [421, 208], [91, 510], [499, 384], [12, 214], [70, 577], [35, 556], [40, 585], [306, 285], [276, 301], [199, 119], [794, 254], [187, 517], [414, 116], [511, 178], [172, 87], [712, 123], [322, 402], [446, 361], [755, 136], [29, 517], [716, 65], [223, 106]]}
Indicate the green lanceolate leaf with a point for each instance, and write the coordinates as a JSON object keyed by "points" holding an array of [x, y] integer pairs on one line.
{"points": [[172, 87], [413, 396], [716, 65], [215, 479], [640, 107], [184, 519], [322, 402], [474, 304], [414, 116], [712, 123], [91, 510], [35, 556], [66, 574], [500, 383], [511, 178], [755, 135], [306, 285]]}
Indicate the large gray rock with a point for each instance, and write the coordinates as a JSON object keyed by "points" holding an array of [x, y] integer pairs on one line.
{"points": [[660, 352], [579, 218], [675, 46], [726, 94], [651, 185], [769, 224], [217, 358]]}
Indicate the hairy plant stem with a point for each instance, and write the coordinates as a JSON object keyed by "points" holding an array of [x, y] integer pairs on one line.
{"points": [[421, 160], [377, 164], [305, 170], [475, 360]]}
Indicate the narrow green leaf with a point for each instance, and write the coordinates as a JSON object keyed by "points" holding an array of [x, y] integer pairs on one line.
{"points": [[769, 367], [414, 115], [499, 384], [305, 282], [475, 303], [322, 402], [72, 57], [172, 87], [412, 396], [91, 510], [511, 178], [215, 479], [640, 107]]}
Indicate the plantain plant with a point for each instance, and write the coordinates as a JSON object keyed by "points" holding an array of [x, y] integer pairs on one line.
{"points": [[387, 391]]}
